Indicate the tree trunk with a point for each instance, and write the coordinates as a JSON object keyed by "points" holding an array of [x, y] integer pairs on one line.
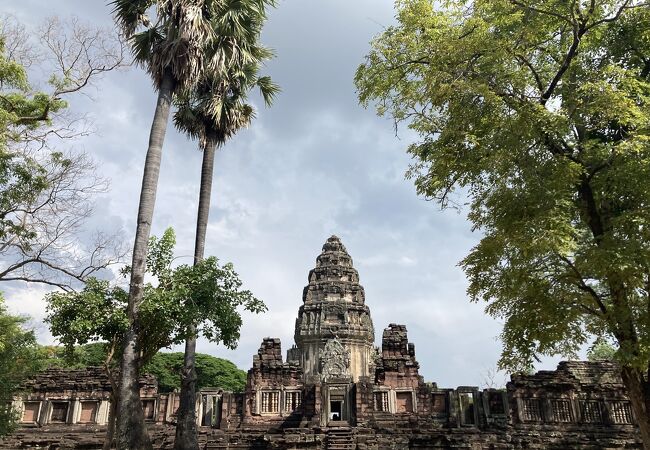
{"points": [[207, 169], [110, 426], [131, 429], [637, 390], [186, 428]]}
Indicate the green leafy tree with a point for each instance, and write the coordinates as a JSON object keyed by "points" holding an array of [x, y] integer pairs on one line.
{"points": [[602, 351], [45, 194], [206, 295], [18, 359], [183, 41], [81, 356], [211, 372], [538, 111], [213, 112]]}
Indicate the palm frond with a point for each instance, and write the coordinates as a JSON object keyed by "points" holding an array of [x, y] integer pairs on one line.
{"points": [[268, 89], [131, 14], [145, 44], [214, 108]]}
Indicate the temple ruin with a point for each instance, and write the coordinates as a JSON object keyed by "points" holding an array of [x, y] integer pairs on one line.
{"points": [[335, 390]]}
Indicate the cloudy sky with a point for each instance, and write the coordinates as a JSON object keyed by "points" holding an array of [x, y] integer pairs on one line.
{"points": [[314, 165]]}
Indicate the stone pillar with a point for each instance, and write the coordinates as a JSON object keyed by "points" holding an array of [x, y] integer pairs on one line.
{"points": [[103, 412], [75, 406]]}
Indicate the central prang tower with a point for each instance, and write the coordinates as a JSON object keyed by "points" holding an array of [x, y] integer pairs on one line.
{"points": [[334, 332]]}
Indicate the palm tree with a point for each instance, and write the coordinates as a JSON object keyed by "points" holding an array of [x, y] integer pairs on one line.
{"points": [[212, 113], [171, 46], [171, 51]]}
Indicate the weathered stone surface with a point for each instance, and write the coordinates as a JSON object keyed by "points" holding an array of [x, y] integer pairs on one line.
{"points": [[336, 391], [334, 308]]}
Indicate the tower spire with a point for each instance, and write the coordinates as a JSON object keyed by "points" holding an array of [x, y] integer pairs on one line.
{"points": [[334, 309]]}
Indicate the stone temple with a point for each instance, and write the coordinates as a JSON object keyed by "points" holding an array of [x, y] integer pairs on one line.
{"points": [[335, 390]]}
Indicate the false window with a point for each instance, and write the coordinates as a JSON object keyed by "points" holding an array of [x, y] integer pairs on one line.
{"points": [[292, 401], [30, 412], [496, 405], [88, 412], [381, 401], [59, 412], [439, 403], [404, 402], [591, 412], [621, 412], [531, 409], [270, 402]]}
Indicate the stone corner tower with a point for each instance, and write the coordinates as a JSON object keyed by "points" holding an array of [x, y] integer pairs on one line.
{"points": [[334, 332]]}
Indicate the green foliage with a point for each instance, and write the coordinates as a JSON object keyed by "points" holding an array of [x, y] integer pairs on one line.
{"points": [[601, 351], [165, 366], [45, 194], [539, 111], [216, 108], [97, 313], [18, 359], [184, 41], [81, 356], [206, 294], [22, 113], [211, 372]]}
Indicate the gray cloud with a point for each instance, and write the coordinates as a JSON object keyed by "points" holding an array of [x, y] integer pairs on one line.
{"points": [[315, 164]]}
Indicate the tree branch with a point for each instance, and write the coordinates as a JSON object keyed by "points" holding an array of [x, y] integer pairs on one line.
{"points": [[626, 6], [584, 286], [64, 286], [527, 63], [541, 11], [578, 32]]}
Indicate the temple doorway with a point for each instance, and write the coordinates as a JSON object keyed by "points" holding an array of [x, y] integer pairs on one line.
{"points": [[336, 410], [211, 409], [336, 404]]}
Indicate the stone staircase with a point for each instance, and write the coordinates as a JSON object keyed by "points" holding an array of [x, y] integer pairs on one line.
{"points": [[340, 438]]}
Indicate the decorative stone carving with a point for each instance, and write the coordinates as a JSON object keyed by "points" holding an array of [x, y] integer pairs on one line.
{"points": [[366, 322], [335, 360], [333, 304], [336, 314], [334, 368]]}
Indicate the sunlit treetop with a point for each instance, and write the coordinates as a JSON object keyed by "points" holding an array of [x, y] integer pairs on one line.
{"points": [[538, 113]]}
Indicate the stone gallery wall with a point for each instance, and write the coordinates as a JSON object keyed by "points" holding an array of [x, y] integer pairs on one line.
{"points": [[581, 405], [336, 391]]}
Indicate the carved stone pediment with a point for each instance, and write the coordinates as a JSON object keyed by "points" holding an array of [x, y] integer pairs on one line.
{"points": [[335, 360]]}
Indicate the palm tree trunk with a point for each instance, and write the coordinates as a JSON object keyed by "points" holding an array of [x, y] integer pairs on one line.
{"points": [[186, 427], [207, 169], [131, 429]]}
